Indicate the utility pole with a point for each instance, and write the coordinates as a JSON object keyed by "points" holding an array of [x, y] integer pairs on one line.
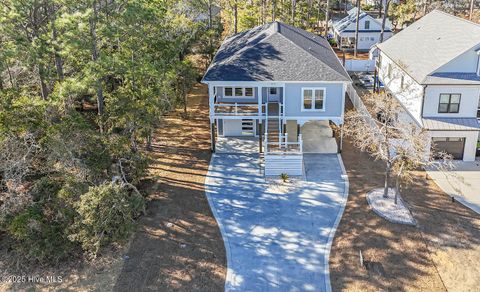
{"points": [[356, 29]]}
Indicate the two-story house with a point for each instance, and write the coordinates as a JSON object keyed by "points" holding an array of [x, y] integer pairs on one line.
{"points": [[432, 68], [267, 84], [369, 29]]}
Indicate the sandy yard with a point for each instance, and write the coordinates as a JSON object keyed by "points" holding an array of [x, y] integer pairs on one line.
{"points": [[441, 253], [177, 245]]}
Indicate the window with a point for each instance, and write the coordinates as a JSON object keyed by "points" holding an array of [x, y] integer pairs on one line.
{"points": [[313, 99], [238, 92], [361, 39], [367, 24], [402, 82], [372, 39], [449, 103], [273, 90], [389, 70]]}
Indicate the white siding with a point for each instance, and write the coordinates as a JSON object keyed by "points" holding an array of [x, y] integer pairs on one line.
{"points": [[410, 96], [468, 101], [466, 63]]}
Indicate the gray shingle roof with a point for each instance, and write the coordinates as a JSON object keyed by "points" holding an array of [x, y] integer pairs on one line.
{"points": [[445, 124], [430, 43], [276, 52]]}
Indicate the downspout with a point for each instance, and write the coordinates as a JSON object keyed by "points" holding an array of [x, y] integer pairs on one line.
{"points": [[423, 101]]}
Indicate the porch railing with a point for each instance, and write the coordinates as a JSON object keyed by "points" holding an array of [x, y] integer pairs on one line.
{"points": [[283, 146]]}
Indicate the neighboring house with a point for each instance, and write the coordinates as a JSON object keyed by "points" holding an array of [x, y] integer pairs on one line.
{"points": [[268, 82], [433, 68], [369, 30]]}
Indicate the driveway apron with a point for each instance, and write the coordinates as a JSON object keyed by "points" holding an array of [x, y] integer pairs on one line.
{"points": [[277, 238]]}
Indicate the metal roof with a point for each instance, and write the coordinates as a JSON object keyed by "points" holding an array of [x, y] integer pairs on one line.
{"points": [[454, 124]]}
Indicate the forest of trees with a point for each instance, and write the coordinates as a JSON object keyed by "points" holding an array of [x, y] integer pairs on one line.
{"points": [[84, 84]]}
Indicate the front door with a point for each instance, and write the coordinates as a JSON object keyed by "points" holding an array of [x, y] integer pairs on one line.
{"points": [[273, 94]]}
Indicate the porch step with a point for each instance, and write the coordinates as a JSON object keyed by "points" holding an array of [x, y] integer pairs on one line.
{"points": [[278, 164]]}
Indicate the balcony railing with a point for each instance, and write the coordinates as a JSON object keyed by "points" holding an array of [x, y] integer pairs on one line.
{"points": [[238, 109]]}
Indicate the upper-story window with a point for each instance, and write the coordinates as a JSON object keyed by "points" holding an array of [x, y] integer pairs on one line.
{"points": [[367, 24], [238, 92], [313, 99], [449, 103], [273, 90]]}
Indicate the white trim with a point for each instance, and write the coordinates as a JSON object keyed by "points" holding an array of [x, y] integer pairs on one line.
{"points": [[239, 96], [313, 89], [266, 83], [331, 235]]}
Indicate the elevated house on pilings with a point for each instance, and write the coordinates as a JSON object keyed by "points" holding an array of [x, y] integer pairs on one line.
{"points": [[277, 90]]}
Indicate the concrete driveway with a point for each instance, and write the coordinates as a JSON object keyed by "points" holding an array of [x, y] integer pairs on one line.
{"points": [[463, 183], [276, 240]]}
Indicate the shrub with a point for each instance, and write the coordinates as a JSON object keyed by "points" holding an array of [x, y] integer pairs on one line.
{"points": [[106, 215], [284, 177], [332, 42], [38, 233]]}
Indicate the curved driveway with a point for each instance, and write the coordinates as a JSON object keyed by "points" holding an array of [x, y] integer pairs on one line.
{"points": [[276, 240]]}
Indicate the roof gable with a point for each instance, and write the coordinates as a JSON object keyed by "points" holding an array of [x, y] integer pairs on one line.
{"points": [[275, 52], [430, 43]]}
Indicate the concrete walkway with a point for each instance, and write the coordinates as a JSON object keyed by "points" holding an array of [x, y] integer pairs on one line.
{"points": [[276, 240], [462, 182]]}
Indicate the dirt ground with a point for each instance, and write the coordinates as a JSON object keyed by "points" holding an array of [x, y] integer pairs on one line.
{"points": [[441, 253], [177, 245]]}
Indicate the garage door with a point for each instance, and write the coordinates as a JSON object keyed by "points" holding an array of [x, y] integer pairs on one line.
{"points": [[453, 146], [235, 128]]}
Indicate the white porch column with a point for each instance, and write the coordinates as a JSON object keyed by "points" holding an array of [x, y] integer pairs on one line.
{"points": [[211, 102], [260, 100]]}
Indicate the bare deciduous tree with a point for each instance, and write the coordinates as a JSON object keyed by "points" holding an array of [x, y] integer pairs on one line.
{"points": [[392, 138]]}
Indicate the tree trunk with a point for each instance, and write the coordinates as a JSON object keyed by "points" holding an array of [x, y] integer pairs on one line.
{"points": [[274, 8], [327, 9], [43, 86], [235, 17], [387, 179], [397, 189], [209, 14], [356, 28], [93, 35], [149, 142], [380, 6], [294, 7], [58, 58], [384, 19], [319, 10], [471, 9], [263, 11]]}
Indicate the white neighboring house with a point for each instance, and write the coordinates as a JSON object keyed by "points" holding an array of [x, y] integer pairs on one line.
{"points": [[368, 31], [433, 68]]}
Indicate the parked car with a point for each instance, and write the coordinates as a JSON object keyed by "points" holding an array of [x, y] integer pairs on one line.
{"points": [[367, 81]]}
